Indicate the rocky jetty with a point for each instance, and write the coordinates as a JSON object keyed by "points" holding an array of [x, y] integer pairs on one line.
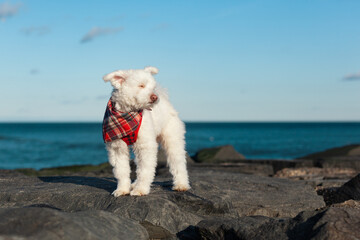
{"points": [[344, 157], [220, 154], [235, 199], [352, 150]]}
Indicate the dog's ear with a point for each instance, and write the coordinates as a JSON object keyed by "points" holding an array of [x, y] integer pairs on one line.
{"points": [[117, 76], [152, 70]]}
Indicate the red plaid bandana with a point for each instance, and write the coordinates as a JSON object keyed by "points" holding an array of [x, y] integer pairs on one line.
{"points": [[120, 125]]}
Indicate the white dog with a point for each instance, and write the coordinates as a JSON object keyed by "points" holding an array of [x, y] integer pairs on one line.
{"points": [[138, 114]]}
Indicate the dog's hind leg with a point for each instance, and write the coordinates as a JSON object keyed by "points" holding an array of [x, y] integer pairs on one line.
{"points": [[173, 141], [119, 158]]}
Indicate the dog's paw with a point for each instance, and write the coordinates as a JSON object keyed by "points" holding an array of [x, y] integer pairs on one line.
{"points": [[136, 191], [120, 192], [181, 187], [132, 186]]}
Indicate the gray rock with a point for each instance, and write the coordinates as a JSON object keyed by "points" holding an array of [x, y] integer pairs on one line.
{"points": [[278, 164], [246, 195], [307, 173], [339, 162], [220, 154], [47, 223], [248, 168], [254, 227], [319, 178], [157, 232], [214, 193], [341, 157], [350, 190], [348, 150], [332, 223]]}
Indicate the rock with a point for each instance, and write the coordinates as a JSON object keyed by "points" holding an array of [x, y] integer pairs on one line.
{"points": [[68, 170], [338, 162], [348, 204], [48, 223], [214, 193], [316, 173], [324, 178], [157, 232], [355, 151], [329, 194], [248, 168], [350, 190], [246, 195], [218, 154], [332, 223], [319, 178], [348, 150], [278, 164], [341, 157], [254, 227]]}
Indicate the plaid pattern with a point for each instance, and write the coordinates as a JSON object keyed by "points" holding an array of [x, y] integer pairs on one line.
{"points": [[120, 125]]}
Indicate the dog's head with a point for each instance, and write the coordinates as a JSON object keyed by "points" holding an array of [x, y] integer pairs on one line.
{"points": [[134, 89]]}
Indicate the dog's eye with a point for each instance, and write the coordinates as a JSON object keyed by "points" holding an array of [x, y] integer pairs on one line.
{"points": [[141, 86]]}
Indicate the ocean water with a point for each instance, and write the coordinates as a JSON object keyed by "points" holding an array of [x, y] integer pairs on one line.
{"points": [[41, 145]]}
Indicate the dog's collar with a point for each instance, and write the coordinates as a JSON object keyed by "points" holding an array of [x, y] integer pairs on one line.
{"points": [[113, 107], [121, 125]]}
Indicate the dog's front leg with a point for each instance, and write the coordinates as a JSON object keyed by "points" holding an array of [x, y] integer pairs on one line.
{"points": [[118, 153], [145, 150]]}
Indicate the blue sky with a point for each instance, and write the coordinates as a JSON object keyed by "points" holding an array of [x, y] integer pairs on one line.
{"points": [[220, 60]]}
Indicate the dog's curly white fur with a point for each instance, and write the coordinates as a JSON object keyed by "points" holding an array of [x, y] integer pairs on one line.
{"points": [[136, 90]]}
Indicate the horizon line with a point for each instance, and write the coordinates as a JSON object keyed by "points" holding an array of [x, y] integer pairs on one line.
{"points": [[195, 121]]}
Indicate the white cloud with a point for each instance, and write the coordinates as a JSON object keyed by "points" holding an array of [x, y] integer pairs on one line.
{"points": [[42, 30], [8, 10], [352, 77], [98, 31]]}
